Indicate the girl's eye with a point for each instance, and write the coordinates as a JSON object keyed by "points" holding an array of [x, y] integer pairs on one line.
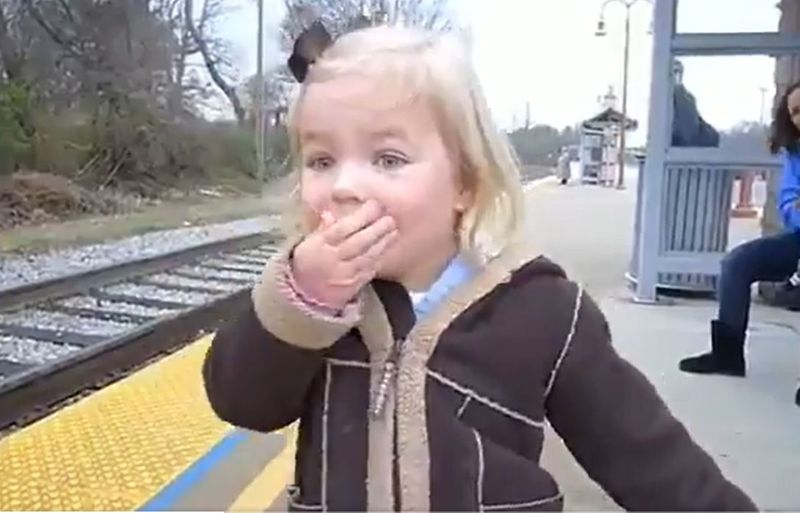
{"points": [[319, 163], [391, 161]]}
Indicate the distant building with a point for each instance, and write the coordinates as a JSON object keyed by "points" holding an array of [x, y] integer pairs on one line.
{"points": [[599, 142]]}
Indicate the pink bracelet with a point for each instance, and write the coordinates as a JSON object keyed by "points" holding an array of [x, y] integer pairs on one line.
{"points": [[309, 301]]}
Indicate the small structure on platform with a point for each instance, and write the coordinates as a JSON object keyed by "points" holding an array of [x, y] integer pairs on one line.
{"points": [[599, 142]]}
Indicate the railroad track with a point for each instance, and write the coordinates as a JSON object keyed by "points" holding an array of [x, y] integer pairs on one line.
{"points": [[61, 336]]}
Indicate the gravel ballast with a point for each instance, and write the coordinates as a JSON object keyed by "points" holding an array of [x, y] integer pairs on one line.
{"points": [[16, 270], [24, 350]]}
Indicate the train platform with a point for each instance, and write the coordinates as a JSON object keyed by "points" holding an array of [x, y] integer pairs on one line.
{"points": [[151, 442]]}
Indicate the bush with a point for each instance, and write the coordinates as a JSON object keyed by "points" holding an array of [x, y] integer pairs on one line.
{"points": [[277, 152], [230, 149], [37, 197], [16, 127], [129, 147], [63, 145]]}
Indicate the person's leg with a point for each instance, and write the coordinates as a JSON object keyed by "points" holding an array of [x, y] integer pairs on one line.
{"points": [[771, 258]]}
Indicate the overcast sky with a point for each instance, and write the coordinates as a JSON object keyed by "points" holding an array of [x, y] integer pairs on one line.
{"points": [[545, 52]]}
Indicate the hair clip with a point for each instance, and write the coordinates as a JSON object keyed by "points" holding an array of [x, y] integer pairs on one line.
{"points": [[308, 47]]}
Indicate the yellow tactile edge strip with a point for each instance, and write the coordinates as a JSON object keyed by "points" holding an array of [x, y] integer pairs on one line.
{"points": [[117, 448]]}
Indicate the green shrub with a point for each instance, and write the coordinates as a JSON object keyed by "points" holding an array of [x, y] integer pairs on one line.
{"points": [[129, 147], [16, 127]]}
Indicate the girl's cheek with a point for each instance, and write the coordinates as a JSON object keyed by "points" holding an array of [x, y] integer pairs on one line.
{"points": [[310, 216]]}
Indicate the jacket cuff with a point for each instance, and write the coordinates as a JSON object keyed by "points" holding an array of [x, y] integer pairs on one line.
{"points": [[284, 313]]}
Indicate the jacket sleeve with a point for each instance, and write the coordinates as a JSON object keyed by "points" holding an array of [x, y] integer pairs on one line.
{"points": [[262, 362], [789, 194], [621, 432]]}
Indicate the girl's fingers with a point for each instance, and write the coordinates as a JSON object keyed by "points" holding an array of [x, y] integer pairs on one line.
{"points": [[369, 259], [343, 228], [363, 268], [347, 282], [360, 242]]}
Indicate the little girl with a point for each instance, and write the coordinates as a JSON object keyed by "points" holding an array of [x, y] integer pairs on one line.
{"points": [[421, 346]]}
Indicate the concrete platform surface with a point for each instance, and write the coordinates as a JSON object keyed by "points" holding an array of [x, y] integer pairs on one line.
{"points": [[750, 426]]}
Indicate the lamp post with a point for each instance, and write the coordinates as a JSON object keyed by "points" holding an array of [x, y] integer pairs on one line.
{"points": [[259, 100], [601, 31]]}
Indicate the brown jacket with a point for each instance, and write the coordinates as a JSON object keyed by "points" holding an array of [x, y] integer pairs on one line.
{"points": [[462, 425]]}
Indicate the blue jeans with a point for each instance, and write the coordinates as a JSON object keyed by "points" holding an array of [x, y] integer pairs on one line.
{"points": [[771, 258]]}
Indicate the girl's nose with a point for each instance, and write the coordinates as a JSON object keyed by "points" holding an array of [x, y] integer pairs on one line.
{"points": [[350, 185]]}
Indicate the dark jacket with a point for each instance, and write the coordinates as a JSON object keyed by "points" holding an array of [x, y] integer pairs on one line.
{"points": [[688, 126], [462, 425]]}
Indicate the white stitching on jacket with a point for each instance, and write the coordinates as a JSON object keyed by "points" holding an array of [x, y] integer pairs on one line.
{"points": [[293, 492], [348, 363], [481, 468], [463, 407], [325, 409], [539, 502], [488, 402], [567, 342]]}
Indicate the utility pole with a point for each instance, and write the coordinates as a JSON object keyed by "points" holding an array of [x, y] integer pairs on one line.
{"points": [[601, 31], [623, 123], [527, 115], [259, 99]]}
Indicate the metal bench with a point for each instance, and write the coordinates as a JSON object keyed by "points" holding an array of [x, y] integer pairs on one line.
{"points": [[697, 191]]}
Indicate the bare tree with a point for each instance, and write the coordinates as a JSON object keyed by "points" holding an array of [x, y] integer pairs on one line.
{"points": [[116, 91], [112, 49], [278, 86], [214, 51], [182, 46], [10, 54], [429, 14], [343, 15]]}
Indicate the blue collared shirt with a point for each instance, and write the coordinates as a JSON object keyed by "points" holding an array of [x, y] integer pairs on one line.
{"points": [[458, 271]]}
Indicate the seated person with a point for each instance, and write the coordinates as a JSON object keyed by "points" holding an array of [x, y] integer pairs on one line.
{"points": [[769, 258]]}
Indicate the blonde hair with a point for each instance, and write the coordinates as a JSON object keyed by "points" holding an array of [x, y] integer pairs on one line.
{"points": [[437, 67]]}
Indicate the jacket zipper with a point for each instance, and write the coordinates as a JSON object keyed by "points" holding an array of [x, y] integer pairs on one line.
{"points": [[387, 383], [396, 469]]}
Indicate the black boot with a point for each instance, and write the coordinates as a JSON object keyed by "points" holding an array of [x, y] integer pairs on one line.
{"points": [[797, 397], [726, 356]]}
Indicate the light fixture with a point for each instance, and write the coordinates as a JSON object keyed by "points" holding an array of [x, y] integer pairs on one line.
{"points": [[601, 28]]}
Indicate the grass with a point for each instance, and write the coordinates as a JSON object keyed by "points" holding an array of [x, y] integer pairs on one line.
{"points": [[177, 214]]}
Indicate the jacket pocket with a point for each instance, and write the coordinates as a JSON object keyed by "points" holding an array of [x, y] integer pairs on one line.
{"points": [[296, 502], [509, 479], [509, 482]]}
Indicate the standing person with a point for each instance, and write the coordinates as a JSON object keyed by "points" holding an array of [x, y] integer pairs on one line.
{"points": [[564, 172], [419, 344], [689, 129], [769, 258]]}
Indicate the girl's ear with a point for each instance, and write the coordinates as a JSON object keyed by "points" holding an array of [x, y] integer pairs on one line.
{"points": [[465, 196], [464, 199]]}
